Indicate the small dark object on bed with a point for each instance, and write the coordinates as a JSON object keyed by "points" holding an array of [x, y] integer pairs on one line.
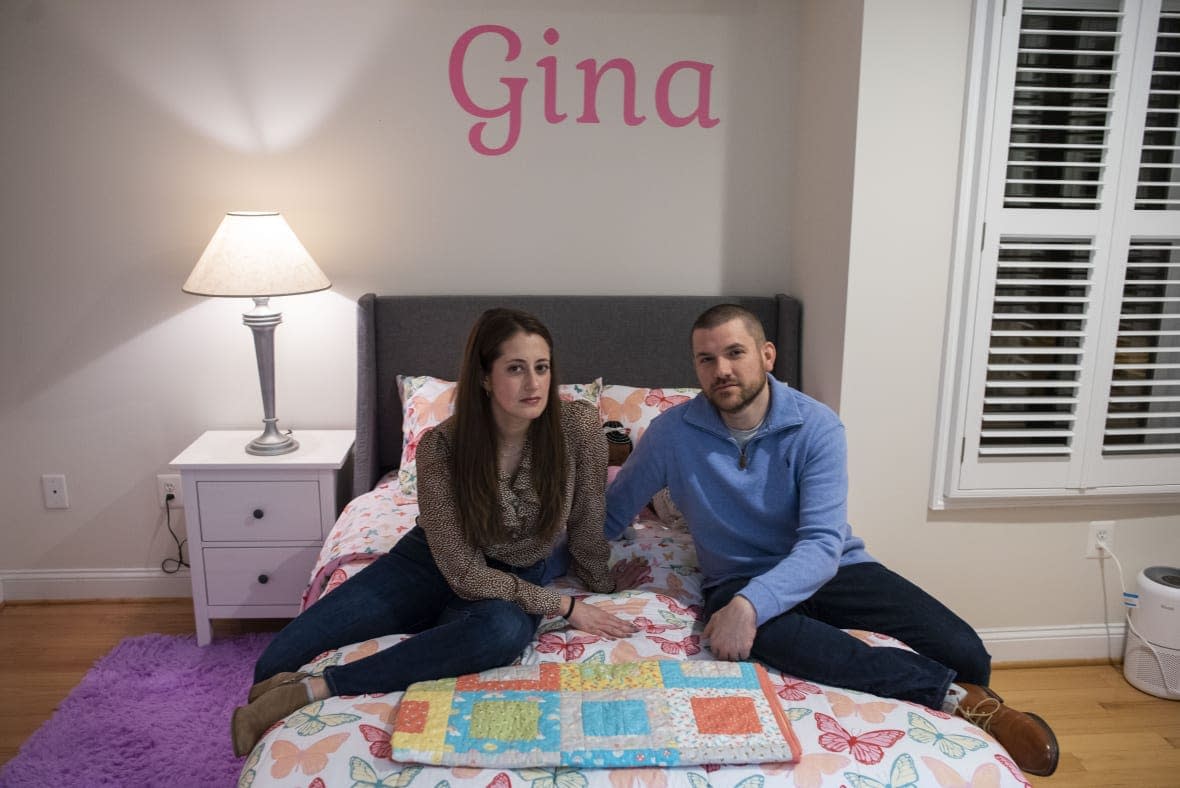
{"points": [[618, 442]]}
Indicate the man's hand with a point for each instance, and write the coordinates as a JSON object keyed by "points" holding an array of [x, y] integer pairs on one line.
{"points": [[731, 630]]}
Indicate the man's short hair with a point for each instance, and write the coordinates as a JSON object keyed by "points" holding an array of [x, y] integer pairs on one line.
{"points": [[723, 313]]}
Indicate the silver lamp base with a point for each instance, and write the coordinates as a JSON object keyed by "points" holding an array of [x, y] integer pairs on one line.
{"points": [[262, 321], [271, 441]]}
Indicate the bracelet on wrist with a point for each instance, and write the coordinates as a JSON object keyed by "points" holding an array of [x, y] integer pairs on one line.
{"points": [[569, 611]]}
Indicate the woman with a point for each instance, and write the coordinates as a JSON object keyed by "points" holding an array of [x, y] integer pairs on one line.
{"points": [[499, 483]]}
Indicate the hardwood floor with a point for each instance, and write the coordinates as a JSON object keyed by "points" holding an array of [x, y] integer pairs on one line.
{"points": [[47, 647], [1110, 733]]}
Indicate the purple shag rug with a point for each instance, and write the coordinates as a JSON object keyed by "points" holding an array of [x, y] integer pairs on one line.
{"points": [[154, 711]]}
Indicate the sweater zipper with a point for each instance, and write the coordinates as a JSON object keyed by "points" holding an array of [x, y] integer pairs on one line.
{"points": [[743, 463]]}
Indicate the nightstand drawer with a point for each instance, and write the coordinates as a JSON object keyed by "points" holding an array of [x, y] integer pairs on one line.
{"points": [[256, 511], [257, 575]]}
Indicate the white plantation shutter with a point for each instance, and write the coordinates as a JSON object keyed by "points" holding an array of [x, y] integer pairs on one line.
{"points": [[1042, 300], [1143, 411], [1070, 363], [1159, 166], [1063, 91]]}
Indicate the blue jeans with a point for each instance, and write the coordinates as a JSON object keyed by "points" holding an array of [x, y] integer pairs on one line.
{"points": [[403, 591], [808, 641]]}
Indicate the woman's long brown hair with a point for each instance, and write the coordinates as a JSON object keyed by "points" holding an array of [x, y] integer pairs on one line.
{"points": [[476, 440]]}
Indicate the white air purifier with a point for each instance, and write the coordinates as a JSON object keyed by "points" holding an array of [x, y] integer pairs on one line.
{"points": [[1151, 661]]}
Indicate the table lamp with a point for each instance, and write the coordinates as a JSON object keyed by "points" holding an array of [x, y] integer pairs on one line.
{"points": [[255, 254]]}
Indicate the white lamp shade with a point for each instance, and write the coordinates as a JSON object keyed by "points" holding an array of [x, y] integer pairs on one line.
{"points": [[255, 254]]}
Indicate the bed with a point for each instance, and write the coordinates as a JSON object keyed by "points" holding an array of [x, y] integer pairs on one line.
{"points": [[629, 355]]}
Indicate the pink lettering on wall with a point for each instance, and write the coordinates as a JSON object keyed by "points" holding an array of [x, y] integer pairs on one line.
{"points": [[483, 138]]}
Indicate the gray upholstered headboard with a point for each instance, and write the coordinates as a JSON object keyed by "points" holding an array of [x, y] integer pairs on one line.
{"points": [[630, 340]]}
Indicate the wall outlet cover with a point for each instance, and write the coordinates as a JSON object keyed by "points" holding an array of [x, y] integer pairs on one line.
{"points": [[169, 483]]}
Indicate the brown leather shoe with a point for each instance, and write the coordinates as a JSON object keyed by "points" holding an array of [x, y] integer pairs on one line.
{"points": [[1027, 738], [250, 722], [991, 693], [277, 680]]}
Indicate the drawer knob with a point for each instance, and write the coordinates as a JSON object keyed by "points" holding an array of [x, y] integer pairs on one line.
{"points": [[263, 579], [258, 513]]}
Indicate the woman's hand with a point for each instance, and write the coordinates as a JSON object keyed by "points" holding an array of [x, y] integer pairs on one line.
{"points": [[630, 572], [589, 618]]}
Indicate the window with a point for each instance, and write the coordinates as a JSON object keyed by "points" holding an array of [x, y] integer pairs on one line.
{"points": [[1064, 381]]}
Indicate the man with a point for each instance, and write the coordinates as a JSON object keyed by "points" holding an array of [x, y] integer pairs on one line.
{"points": [[759, 471]]}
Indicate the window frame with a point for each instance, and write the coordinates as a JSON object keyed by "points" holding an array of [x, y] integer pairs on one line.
{"points": [[971, 288]]}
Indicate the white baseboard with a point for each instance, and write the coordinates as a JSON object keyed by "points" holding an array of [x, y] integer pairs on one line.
{"points": [[27, 584], [1050, 644], [1005, 644]]}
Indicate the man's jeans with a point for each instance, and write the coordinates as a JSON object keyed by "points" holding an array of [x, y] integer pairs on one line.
{"points": [[403, 591], [808, 641]]}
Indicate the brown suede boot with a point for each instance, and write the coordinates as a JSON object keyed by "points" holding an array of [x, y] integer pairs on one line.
{"points": [[1027, 738], [277, 680], [250, 722]]}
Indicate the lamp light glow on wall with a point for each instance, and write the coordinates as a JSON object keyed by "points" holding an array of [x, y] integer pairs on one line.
{"points": [[256, 255]]}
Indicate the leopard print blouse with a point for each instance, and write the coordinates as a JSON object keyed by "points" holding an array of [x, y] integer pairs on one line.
{"points": [[583, 511]]}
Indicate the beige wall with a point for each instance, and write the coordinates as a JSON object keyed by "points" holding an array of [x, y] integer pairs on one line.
{"points": [[1010, 568], [129, 129], [822, 166]]}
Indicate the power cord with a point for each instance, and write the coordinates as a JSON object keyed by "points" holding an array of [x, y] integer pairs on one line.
{"points": [[1106, 605], [1130, 600], [172, 565]]}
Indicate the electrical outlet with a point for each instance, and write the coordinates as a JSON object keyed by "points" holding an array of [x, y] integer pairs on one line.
{"points": [[53, 491], [169, 483], [1101, 532]]}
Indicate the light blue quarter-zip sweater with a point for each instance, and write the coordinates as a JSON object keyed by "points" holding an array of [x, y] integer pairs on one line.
{"points": [[775, 512]]}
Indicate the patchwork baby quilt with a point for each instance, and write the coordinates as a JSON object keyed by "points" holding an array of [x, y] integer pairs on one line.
{"points": [[635, 714]]}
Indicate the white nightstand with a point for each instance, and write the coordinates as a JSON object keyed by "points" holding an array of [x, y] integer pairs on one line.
{"points": [[256, 524]]}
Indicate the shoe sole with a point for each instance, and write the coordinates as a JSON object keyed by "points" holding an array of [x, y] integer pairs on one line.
{"points": [[238, 751], [1052, 767]]}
